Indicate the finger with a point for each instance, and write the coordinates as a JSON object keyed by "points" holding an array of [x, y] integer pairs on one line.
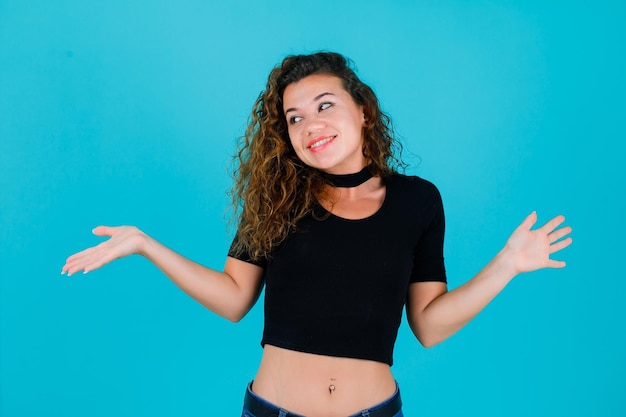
{"points": [[103, 231], [96, 257], [97, 261], [559, 233], [85, 265], [79, 255], [553, 223], [529, 221], [66, 267], [562, 244], [70, 270], [76, 262], [72, 261], [73, 266], [556, 264], [92, 266], [75, 259]]}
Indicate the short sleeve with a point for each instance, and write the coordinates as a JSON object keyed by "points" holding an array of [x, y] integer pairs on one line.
{"points": [[244, 255], [428, 262]]}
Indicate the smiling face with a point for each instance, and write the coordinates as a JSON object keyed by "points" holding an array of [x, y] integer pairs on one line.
{"points": [[325, 124]]}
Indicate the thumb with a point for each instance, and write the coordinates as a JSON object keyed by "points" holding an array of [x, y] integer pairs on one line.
{"points": [[529, 221], [102, 231]]}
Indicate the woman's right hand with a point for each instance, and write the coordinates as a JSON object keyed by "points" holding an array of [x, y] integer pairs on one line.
{"points": [[123, 241]]}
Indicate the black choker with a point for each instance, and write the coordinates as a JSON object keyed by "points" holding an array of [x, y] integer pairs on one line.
{"points": [[348, 180]]}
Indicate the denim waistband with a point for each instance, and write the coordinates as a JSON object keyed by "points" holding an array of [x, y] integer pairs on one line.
{"points": [[260, 407]]}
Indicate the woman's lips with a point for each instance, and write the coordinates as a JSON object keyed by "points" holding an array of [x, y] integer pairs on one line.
{"points": [[319, 142]]}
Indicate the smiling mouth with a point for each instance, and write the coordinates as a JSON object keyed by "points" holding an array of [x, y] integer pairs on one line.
{"points": [[321, 142]]}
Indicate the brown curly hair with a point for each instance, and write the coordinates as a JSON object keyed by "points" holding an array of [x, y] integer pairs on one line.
{"points": [[273, 189]]}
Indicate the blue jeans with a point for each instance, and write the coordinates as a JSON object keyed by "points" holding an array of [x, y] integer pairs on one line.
{"points": [[269, 409]]}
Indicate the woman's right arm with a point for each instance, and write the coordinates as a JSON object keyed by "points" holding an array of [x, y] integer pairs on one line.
{"points": [[230, 294]]}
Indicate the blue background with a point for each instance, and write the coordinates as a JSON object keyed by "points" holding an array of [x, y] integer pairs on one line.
{"points": [[127, 112]]}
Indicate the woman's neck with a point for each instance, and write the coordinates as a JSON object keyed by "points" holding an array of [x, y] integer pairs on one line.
{"points": [[348, 180]]}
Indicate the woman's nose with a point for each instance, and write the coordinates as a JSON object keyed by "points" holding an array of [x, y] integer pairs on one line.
{"points": [[314, 124]]}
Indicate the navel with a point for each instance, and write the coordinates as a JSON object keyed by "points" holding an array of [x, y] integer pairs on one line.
{"points": [[331, 387]]}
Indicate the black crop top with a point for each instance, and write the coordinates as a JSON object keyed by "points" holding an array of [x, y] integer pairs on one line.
{"points": [[337, 287]]}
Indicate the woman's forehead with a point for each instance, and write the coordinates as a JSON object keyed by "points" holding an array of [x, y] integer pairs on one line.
{"points": [[310, 88]]}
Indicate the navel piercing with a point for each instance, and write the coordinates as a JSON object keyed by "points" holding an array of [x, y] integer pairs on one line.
{"points": [[331, 389]]}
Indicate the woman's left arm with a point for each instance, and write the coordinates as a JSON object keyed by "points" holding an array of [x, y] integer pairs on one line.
{"points": [[435, 314]]}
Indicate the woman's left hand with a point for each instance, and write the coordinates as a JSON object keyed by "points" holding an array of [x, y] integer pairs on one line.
{"points": [[530, 250]]}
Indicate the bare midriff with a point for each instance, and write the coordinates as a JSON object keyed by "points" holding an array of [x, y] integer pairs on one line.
{"points": [[318, 385]]}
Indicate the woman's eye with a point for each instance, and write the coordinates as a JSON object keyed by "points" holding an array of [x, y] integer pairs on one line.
{"points": [[324, 106], [294, 119]]}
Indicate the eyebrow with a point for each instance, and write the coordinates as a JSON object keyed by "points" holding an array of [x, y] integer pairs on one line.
{"points": [[314, 100]]}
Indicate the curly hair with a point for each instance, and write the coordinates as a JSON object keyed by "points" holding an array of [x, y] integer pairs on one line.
{"points": [[273, 188]]}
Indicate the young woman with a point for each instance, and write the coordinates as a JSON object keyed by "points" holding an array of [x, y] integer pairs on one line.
{"points": [[341, 241]]}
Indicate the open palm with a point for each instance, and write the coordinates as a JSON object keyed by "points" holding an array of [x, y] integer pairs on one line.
{"points": [[531, 248]]}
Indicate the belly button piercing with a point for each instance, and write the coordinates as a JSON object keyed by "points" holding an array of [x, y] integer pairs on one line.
{"points": [[331, 387]]}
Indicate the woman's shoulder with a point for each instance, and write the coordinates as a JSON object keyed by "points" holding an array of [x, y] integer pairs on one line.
{"points": [[411, 184], [413, 199]]}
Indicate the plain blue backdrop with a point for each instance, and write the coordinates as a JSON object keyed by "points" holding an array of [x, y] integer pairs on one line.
{"points": [[127, 112]]}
